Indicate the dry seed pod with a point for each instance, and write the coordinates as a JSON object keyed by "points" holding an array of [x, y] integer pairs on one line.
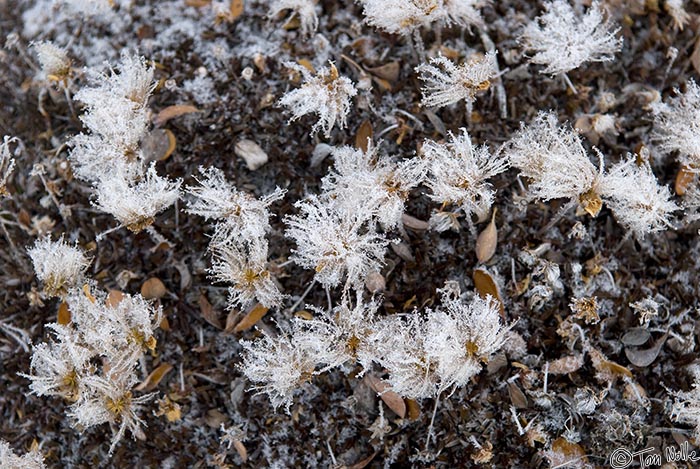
{"points": [[153, 289], [487, 241]]}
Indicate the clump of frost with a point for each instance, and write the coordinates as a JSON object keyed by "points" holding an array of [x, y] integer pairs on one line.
{"points": [[326, 94], [459, 172], [563, 40], [446, 83], [92, 360], [686, 406], [677, 125], [557, 165], [238, 246], [58, 265], [109, 156], [10, 460], [54, 61]]}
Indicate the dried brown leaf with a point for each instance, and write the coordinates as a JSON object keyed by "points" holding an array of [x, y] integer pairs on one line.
{"points": [[236, 8], [154, 378], [153, 288], [389, 71], [364, 136], [208, 312], [487, 241], [645, 357], [64, 316], [486, 285], [171, 112], [390, 398], [251, 318]]}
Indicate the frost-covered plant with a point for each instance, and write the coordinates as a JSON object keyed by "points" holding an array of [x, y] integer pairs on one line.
{"points": [[337, 244], [446, 83], [110, 156], [557, 165], [326, 94], [238, 246], [117, 119], [440, 349], [305, 10], [281, 365], [9, 460], [406, 17], [92, 361], [553, 159], [676, 10], [636, 199], [54, 61], [136, 203], [365, 180], [7, 163], [58, 265], [686, 406], [563, 40], [459, 173], [677, 125], [244, 266], [691, 203], [239, 215]]}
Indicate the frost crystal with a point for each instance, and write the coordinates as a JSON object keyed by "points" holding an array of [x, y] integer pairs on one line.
{"points": [[58, 265], [636, 199], [459, 173], [686, 406], [9, 460], [563, 40], [135, 204], [447, 83], [553, 158], [326, 94], [369, 182], [335, 244], [677, 125]]}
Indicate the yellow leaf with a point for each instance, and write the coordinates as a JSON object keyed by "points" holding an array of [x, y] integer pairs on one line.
{"points": [[155, 377], [250, 319]]}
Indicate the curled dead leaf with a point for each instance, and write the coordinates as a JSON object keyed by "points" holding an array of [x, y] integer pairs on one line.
{"points": [[684, 178], [251, 318], [171, 112], [208, 312], [154, 378], [645, 357], [486, 285]]}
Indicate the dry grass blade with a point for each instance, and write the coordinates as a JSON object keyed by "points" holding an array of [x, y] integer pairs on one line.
{"points": [[171, 112]]}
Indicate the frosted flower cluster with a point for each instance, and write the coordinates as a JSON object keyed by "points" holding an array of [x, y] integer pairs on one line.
{"points": [[425, 353], [109, 156], [404, 17], [10, 460], [58, 265], [553, 159], [239, 244], [677, 125], [326, 94], [91, 361], [563, 40], [337, 232], [447, 83], [459, 173]]}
